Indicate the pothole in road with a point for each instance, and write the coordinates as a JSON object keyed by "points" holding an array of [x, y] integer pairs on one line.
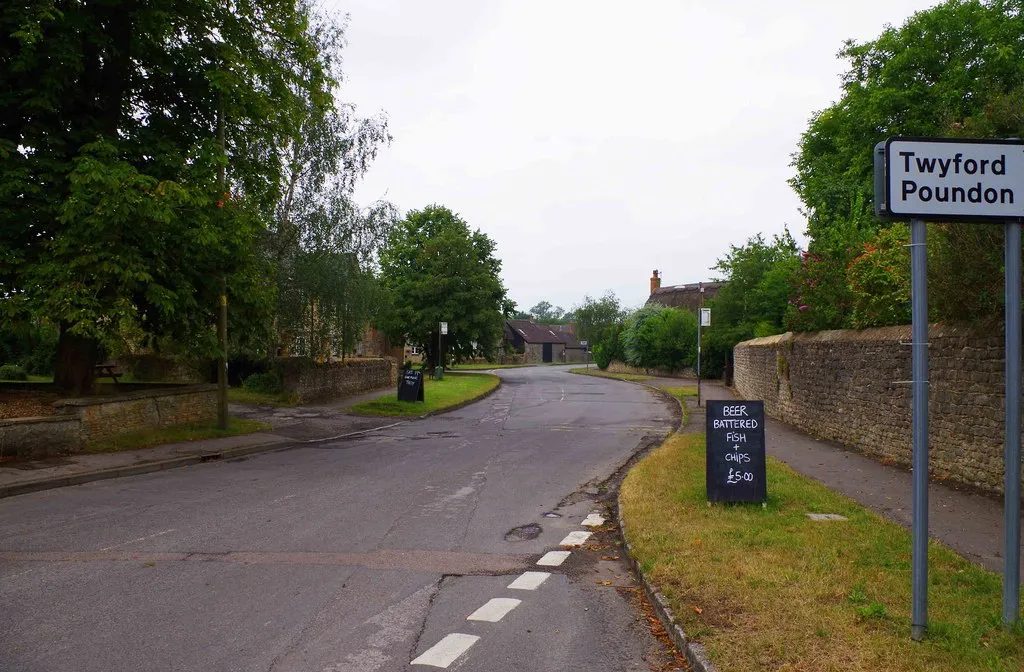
{"points": [[524, 532]]}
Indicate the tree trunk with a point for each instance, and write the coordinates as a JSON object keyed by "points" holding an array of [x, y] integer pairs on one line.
{"points": [[73, 370]]}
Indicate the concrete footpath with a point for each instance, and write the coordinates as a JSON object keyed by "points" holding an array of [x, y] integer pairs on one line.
{"points": [[969, 523], [291, 427]]}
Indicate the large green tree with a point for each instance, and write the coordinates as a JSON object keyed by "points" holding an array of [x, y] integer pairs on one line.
{"points": [[594, 316], [142, 152], [756, 298], [435, 269], [956, 69]]}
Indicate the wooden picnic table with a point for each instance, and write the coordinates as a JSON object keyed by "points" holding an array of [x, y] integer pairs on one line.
{"points": [[108, 369]]}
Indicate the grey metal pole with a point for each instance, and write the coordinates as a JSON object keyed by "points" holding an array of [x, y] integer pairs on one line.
{"points": [[1011, 500], [919, 328], [700, 288]]}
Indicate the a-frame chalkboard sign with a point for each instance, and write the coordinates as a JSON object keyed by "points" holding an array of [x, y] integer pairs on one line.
{"points": [[735, 451], [410, 386]]}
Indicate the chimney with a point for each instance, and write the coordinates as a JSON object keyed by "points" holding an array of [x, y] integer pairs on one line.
{"points": [[655, 282]]}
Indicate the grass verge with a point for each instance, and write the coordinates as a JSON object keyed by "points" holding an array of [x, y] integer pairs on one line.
{"points": [[147, 438], [484, 366], [605, 374], [770, 589], [437, 394], [240, 395]]}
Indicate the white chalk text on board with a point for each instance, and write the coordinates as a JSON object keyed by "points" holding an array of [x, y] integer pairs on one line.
{"points": [[735, 451], [941, 178]]}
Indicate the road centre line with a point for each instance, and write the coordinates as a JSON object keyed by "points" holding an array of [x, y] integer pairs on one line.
{"points": [[135, 541], [445, 652], [529, 580], [554, 558], [495, 609], [575, 539]]}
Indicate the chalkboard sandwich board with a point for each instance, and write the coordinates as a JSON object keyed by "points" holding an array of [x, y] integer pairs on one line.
{"points": [[735, 451], [410, 386]]}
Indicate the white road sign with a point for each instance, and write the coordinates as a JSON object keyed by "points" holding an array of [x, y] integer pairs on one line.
{"points": [[444, 328], [705, 317], [949, 179]]}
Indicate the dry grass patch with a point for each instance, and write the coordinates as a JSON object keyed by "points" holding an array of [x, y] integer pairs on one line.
{"points": [[770, 589]]}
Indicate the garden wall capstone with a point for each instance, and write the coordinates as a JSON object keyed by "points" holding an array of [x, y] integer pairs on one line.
{"points": [[851, 386], [306, 381]]}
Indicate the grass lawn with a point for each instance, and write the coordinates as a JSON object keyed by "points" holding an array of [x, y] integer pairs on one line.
{"points": [[605, 374], [484, 366], [32, 378], [770, 589], [438, 395], [147, 438]]}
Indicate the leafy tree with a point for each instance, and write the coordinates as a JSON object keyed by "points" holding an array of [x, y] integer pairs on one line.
{"points": [[956, 69], [435, 269], [594, 316], [545, 313], [140, 162], [660, 338], [754, 301]]}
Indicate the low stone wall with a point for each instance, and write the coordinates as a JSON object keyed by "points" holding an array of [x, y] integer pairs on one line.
{"points": [[852, 387], [105, 417], [80, 422], [307, 381], [40, 437]]}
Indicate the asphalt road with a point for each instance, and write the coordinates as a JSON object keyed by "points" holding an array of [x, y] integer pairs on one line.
{"points": [[358, 555]]}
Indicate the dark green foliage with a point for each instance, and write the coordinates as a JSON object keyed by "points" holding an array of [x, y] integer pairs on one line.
{"points": [[755, 300], [435, 269], [660, 338], [12, 372], [32, 346], [953, 70], [609, 347], [118, 201], [263, 383], [594, 316]]}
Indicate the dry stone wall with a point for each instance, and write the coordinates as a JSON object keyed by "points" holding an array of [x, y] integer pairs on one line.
{"points": [[853, 387], [306, 381]]}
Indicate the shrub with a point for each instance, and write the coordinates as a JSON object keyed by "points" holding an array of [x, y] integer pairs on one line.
{"points": [[12, 372], [263, 383]]}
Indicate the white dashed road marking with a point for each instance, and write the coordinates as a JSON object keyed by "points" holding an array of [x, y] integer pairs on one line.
{"points": [[529, 581], [594, 520], [575, 539], [446, 651], [554, 558], [494, 610]]}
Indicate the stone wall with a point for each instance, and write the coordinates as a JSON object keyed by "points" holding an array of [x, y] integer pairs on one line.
{"points": [[105, 417], [852, 387], [86, 420], [40, 437], [306, 381]]}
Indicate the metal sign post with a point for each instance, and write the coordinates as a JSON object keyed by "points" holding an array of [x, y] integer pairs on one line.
{"points": [[1011, 487], [919, 376], [957, 180], [700, 320]]}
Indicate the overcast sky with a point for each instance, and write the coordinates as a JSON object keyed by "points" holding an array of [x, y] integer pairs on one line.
{"points": [[596, 141]]}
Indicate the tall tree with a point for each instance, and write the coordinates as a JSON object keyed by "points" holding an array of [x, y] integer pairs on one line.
{"points": [[141, 160], [956, 69], [594, 316], [435, 269]]}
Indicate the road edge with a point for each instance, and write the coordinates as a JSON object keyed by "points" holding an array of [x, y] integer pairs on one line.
{"points": [[694, 651], [53, 482]]}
